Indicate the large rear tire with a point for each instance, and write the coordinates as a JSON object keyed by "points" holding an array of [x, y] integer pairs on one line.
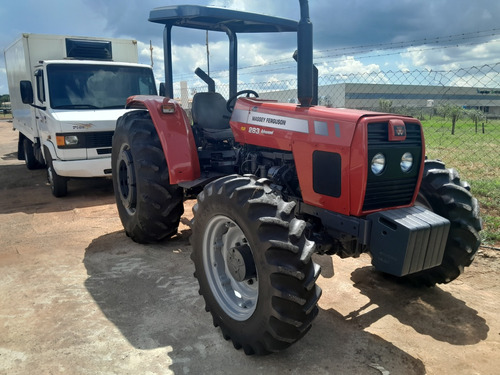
{"points": [[150, 207], [253, 264], [444, 193]]}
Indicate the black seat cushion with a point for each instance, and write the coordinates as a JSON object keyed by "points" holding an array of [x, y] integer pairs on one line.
{"points": [[209, 111]]}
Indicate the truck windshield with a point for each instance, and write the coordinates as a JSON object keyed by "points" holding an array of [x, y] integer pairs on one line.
{"points": [[84, 86]]}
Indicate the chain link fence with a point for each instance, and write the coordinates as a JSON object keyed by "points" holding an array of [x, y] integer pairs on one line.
{"points": [[459, 111]]}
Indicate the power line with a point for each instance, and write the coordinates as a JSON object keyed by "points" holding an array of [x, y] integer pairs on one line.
{"points": [[364, 49]]}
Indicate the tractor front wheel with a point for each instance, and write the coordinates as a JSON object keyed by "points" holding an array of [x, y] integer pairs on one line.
{"points": [[253, 264], [150, 207], [443, 193]]}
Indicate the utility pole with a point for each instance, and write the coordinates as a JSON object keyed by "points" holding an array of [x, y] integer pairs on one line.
{"points": [[208, 56], [151, 52]]}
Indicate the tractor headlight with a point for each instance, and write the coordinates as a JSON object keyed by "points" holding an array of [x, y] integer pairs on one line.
{"points": [[406, 162], [378, 164]]}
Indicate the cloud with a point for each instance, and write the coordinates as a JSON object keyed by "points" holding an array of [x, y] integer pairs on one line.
{"points": [[453, 57], [337, 24], [471, 78], [352, 70]]}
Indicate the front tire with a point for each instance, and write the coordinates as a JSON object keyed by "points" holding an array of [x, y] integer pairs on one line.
{"points": [[445, 194], [58, 184], [150, 207], [253, 264]]}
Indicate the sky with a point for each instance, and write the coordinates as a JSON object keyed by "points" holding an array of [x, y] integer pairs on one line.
{"points": [[354, 36]]}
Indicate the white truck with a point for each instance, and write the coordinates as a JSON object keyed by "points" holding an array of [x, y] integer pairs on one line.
{"points": [[66, 94]]}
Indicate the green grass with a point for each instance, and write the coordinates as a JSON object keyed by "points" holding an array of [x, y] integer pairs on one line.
{"points": [[477, 157]]}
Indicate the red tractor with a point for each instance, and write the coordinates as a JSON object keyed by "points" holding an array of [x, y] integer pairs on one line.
{"points": [[278, 182]]}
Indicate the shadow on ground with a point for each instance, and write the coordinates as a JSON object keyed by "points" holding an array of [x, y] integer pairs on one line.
{"points": [[27, 191], [429, 311], [149, 293]]}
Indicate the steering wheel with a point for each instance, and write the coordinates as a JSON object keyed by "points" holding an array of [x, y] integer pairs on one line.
{"points": [[230, 105]]}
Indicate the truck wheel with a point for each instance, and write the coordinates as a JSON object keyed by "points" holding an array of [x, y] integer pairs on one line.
{"points": [[29, 155], [58, 184], [149, 207], [253, 264], [442, 192]]}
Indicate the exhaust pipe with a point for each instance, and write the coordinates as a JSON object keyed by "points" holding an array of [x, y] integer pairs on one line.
{"points": [[305, 56]]}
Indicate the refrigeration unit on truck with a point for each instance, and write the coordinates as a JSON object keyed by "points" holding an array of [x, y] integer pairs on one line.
{"points": [[66, 94]]}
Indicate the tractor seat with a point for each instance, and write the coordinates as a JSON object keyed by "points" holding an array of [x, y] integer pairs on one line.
{"points": [[211, 116]]}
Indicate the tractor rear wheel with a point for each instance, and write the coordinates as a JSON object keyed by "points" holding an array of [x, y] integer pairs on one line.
{"points": [[149, 207], [253, 264], [443, 193]]}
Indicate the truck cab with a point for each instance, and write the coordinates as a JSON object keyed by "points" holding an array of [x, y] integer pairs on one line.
{"points": [[67, 93]]}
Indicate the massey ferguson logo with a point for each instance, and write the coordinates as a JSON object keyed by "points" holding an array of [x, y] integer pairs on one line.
{"points": [[397, 130], [400, 130]]}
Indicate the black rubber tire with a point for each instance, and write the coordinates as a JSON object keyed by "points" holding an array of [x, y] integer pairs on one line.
{"points": [[29, 155], [58, 184], [287, 294], [149, 207], [442, 192]]}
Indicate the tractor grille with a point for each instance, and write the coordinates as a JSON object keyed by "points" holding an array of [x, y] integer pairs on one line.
{"points": [[386, 194], [393, 188]]}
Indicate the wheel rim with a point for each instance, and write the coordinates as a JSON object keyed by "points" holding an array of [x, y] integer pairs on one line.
{"points": [[238, 299], [126, 180]]}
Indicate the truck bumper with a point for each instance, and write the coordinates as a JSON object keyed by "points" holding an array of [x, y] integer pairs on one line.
{"points": [[83, 168], [407, 240]]}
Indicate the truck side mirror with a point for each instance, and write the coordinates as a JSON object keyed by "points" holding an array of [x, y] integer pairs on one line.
{"points": [[162, 88], [26, 92]]}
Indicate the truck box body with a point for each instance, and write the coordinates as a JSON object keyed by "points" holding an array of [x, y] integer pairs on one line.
{"points": [[79, 87]]}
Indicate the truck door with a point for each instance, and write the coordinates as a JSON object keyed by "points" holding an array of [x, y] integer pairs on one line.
{"points": [[40, 102]]}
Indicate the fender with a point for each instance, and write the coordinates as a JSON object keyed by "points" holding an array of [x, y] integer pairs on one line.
{"points": [[49, 146], [176, 136]]}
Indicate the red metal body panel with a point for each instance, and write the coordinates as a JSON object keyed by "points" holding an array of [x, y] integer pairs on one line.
{"points": [[176, 136], [289, 127]]}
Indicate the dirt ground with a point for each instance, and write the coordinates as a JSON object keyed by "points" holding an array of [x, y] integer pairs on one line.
{"points": [[79, 297]]}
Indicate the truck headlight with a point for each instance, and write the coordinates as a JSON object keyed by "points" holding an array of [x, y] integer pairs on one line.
{"points": [[67, 140], [406, 162], [378, 164], [71, 140]]}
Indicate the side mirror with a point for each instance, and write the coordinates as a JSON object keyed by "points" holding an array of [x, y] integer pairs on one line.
{"points": [[26, 92], [162, 88]]}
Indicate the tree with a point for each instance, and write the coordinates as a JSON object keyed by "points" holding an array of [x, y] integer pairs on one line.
{"points": [[385, 105], [4, 98], [476, 115], [453, 111]]}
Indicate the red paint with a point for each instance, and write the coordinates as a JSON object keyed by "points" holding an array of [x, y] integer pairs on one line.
{"points": [[176, 136]]}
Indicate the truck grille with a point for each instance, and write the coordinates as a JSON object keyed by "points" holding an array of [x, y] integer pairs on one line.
{"points": [[99, 139], [393, 188]]}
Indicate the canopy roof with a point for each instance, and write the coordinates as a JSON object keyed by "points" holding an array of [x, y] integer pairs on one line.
{"points": [[220, 19]]}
